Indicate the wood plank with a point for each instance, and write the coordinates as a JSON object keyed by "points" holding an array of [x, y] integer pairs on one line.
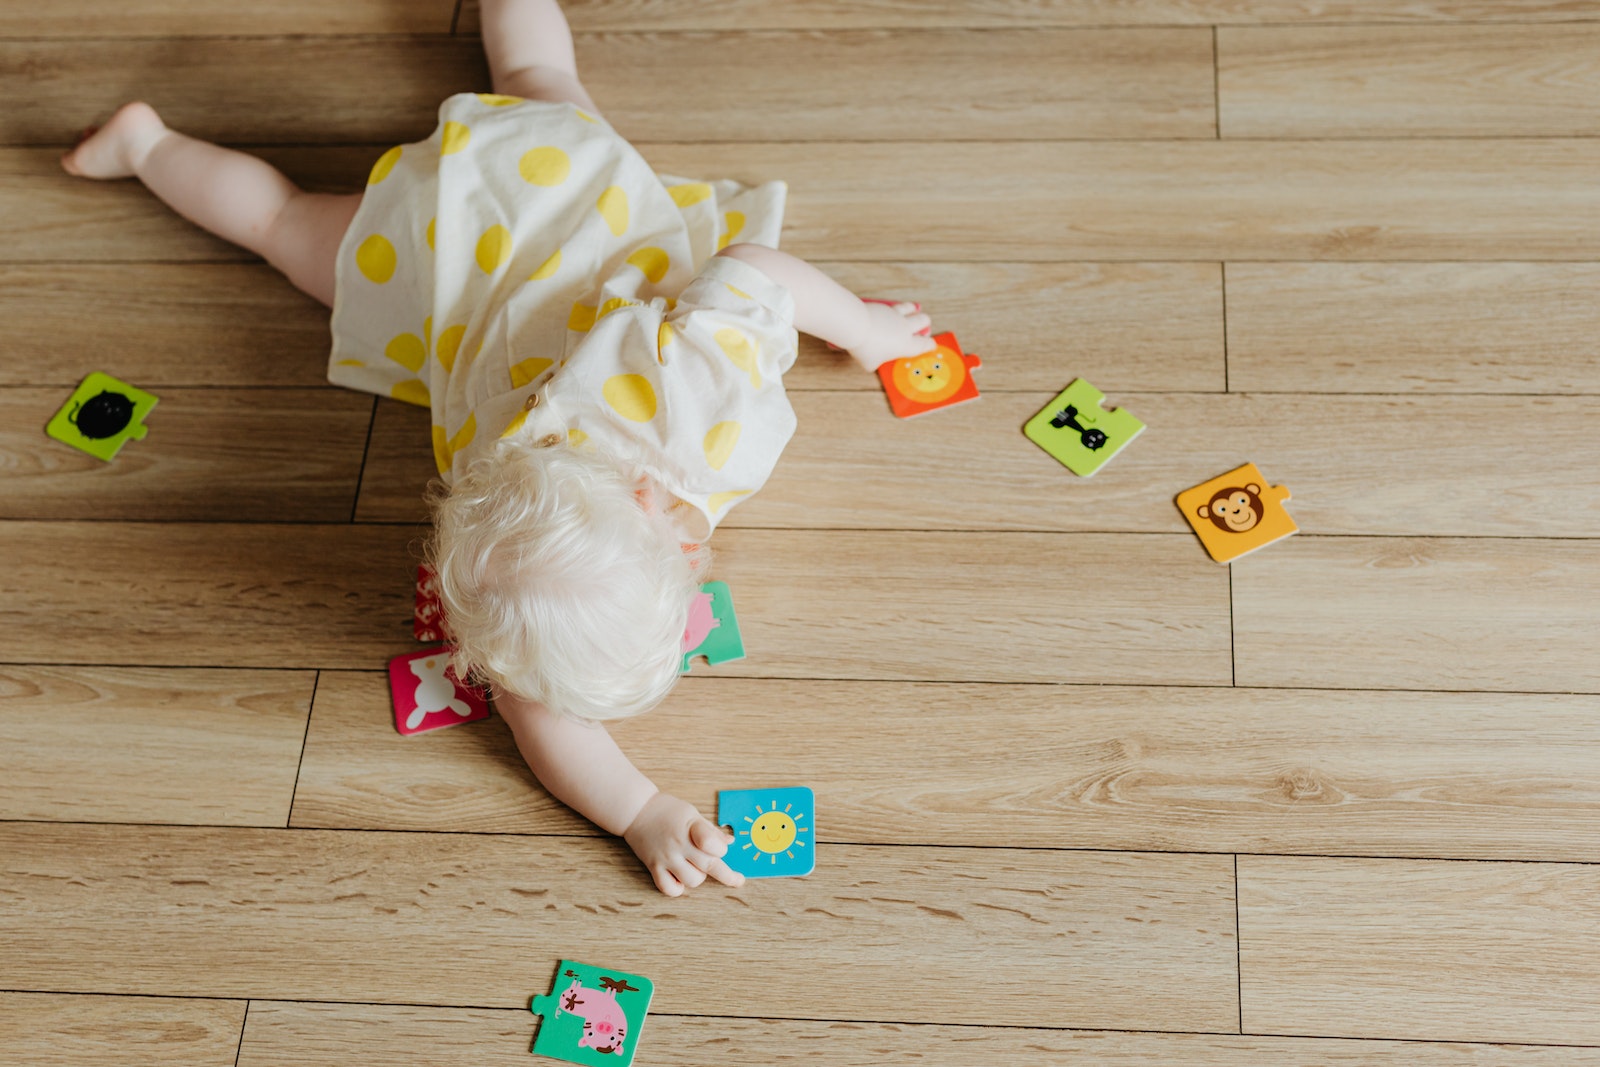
{"points": [[1368, 465], [261, 455], [1445, 613], [95, 744], [1490, 776], [168, 324], [1028, 84], [333, 1035], [203, 18], [1411, 81], [1413, 949], [1413, 327], [1131, 201], [307, 914], [923, 606], [60, 1030]]}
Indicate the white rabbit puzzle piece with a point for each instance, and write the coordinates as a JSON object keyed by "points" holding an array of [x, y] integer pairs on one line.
{"points": [[428, 695], [1075, 430]]}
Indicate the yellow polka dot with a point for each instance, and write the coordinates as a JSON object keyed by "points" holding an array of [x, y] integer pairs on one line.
{"points": [[613, 205], [455, 138], [427, 331], [430, 232], [740, 293], [576, 436], [582, 318], [412, 392], [351, 363], [445, 448], [441, 449], [742, 351], [527, 370], [449, 343], [613, 304], [546, 165], [547, 268], [717, 501], [494, 249], [408, 351], [631, 396], [719, 443], [385, 163], [498, 99], [735, 223], [692, 193], [586, 117], [652, 261], [663, 339], [515, 424], [375, 258]]}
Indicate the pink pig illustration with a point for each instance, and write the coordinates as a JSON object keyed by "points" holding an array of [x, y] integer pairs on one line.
{"points": [[605, 1026], [701, 622]]}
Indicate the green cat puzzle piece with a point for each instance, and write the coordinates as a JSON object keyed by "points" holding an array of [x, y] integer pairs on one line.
{"points": [[1074, 430], [713, 630], [591, 1015], [101, 415]]}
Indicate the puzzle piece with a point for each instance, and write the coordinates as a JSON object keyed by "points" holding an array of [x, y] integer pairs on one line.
{"points": [[101, 415], [1074, 430], [940, 378], [772, 830], [591, 1015], [1236, 513], [428, 695], [713, 630], [427, 620]]}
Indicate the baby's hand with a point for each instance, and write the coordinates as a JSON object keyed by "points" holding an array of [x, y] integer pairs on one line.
{"points": [[895, 330], [679, 846]]}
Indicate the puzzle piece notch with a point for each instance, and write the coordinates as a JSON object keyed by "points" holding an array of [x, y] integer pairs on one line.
{"points": [[423, 686], [1078, 433], [101, 416], [1236, 513], [713, 630], [774, 831], [936, 379], [591, 1015]]}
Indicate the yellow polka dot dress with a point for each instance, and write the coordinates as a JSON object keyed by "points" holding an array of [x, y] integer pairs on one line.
{"points": [[525, 271]]}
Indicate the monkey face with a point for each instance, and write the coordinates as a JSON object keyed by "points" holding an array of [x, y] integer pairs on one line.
{"points": [[1234, 509]]}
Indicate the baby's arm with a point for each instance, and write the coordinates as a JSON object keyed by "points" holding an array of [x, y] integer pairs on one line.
{"points": [[871, 332], [583, 768]]}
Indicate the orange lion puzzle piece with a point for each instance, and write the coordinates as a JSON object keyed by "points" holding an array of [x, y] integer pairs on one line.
{"points": [[939, 378], [1237, 512]]}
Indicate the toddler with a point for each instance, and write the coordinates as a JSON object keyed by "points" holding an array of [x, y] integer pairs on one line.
{"points": [[602, 351]]}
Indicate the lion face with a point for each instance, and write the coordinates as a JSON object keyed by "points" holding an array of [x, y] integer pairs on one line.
{"points": [[930, 377]]}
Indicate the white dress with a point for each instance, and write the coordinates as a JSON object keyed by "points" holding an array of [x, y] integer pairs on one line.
{"points": [[526, 250]]}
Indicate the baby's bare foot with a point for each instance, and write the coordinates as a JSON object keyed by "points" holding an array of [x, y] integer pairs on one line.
{"points": [[116, 149]]}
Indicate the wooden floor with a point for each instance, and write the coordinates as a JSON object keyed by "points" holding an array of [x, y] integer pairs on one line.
{"points": [[1084, 796]]}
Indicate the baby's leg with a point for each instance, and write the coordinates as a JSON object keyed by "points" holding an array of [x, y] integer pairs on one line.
{"points": [[530, 51], [235, 196]]}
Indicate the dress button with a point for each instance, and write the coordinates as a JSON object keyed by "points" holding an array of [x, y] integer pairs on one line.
{"points": [[531, 403], [550, 439]]}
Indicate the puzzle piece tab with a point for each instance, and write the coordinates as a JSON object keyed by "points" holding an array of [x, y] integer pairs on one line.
{"points": [[713, 630], [1236, 513], [1074, 430], [428, 695], [592, 1015], [101, 415], [939, 378], [773, 830]]}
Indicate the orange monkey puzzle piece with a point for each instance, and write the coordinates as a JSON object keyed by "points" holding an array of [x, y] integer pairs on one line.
{"points": [[1237, 512]]}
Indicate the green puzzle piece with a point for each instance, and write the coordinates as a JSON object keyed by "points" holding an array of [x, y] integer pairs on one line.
{"points": [[1074, 430], [592, 1015], [712, 620], [101, 415]]}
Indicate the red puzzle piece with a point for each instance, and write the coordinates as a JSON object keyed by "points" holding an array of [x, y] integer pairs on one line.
{"points": [[428, 695], [938, 379]]}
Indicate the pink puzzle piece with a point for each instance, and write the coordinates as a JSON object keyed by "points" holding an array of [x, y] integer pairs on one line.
{"points": [[701, 622], [428, 695]]}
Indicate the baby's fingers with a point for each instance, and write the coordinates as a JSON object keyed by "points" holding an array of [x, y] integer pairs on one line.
{"points": [[709, 837], [687, 873], [666, 881], [724, 874]]}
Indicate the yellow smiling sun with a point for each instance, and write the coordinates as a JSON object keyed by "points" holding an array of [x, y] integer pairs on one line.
{"points": [[774, 831]]}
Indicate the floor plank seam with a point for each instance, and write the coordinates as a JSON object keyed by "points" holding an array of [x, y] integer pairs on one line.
{"points": [[244, 1024], [1216, 87], [1238, 944], [294, 792], [366, 455]]}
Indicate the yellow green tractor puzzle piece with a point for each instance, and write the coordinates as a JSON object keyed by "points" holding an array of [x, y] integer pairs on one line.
{"points": [[1074, 430], [101, 415]]}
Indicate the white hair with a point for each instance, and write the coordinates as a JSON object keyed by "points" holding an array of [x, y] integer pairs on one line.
{"points": [[558, 586]]}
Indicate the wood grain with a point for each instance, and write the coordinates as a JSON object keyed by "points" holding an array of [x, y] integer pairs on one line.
{"points": [[1412, 81], [60, 1030], [333, 1035], [1413, 327], [1459, 614], [166, 19], [92, 744], [1491, 776], [305, 914], [1475, 951], [261, 455]]}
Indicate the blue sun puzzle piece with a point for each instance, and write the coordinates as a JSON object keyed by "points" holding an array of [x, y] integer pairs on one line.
{"points": [[713, 630], [592, 1015], [773, 832], [101, 415], [1074, 430]]}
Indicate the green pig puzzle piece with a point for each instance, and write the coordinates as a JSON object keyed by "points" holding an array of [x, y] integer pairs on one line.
{"points": [[592, 1015], [713, 630], [101, 415], [1074, 430]]}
